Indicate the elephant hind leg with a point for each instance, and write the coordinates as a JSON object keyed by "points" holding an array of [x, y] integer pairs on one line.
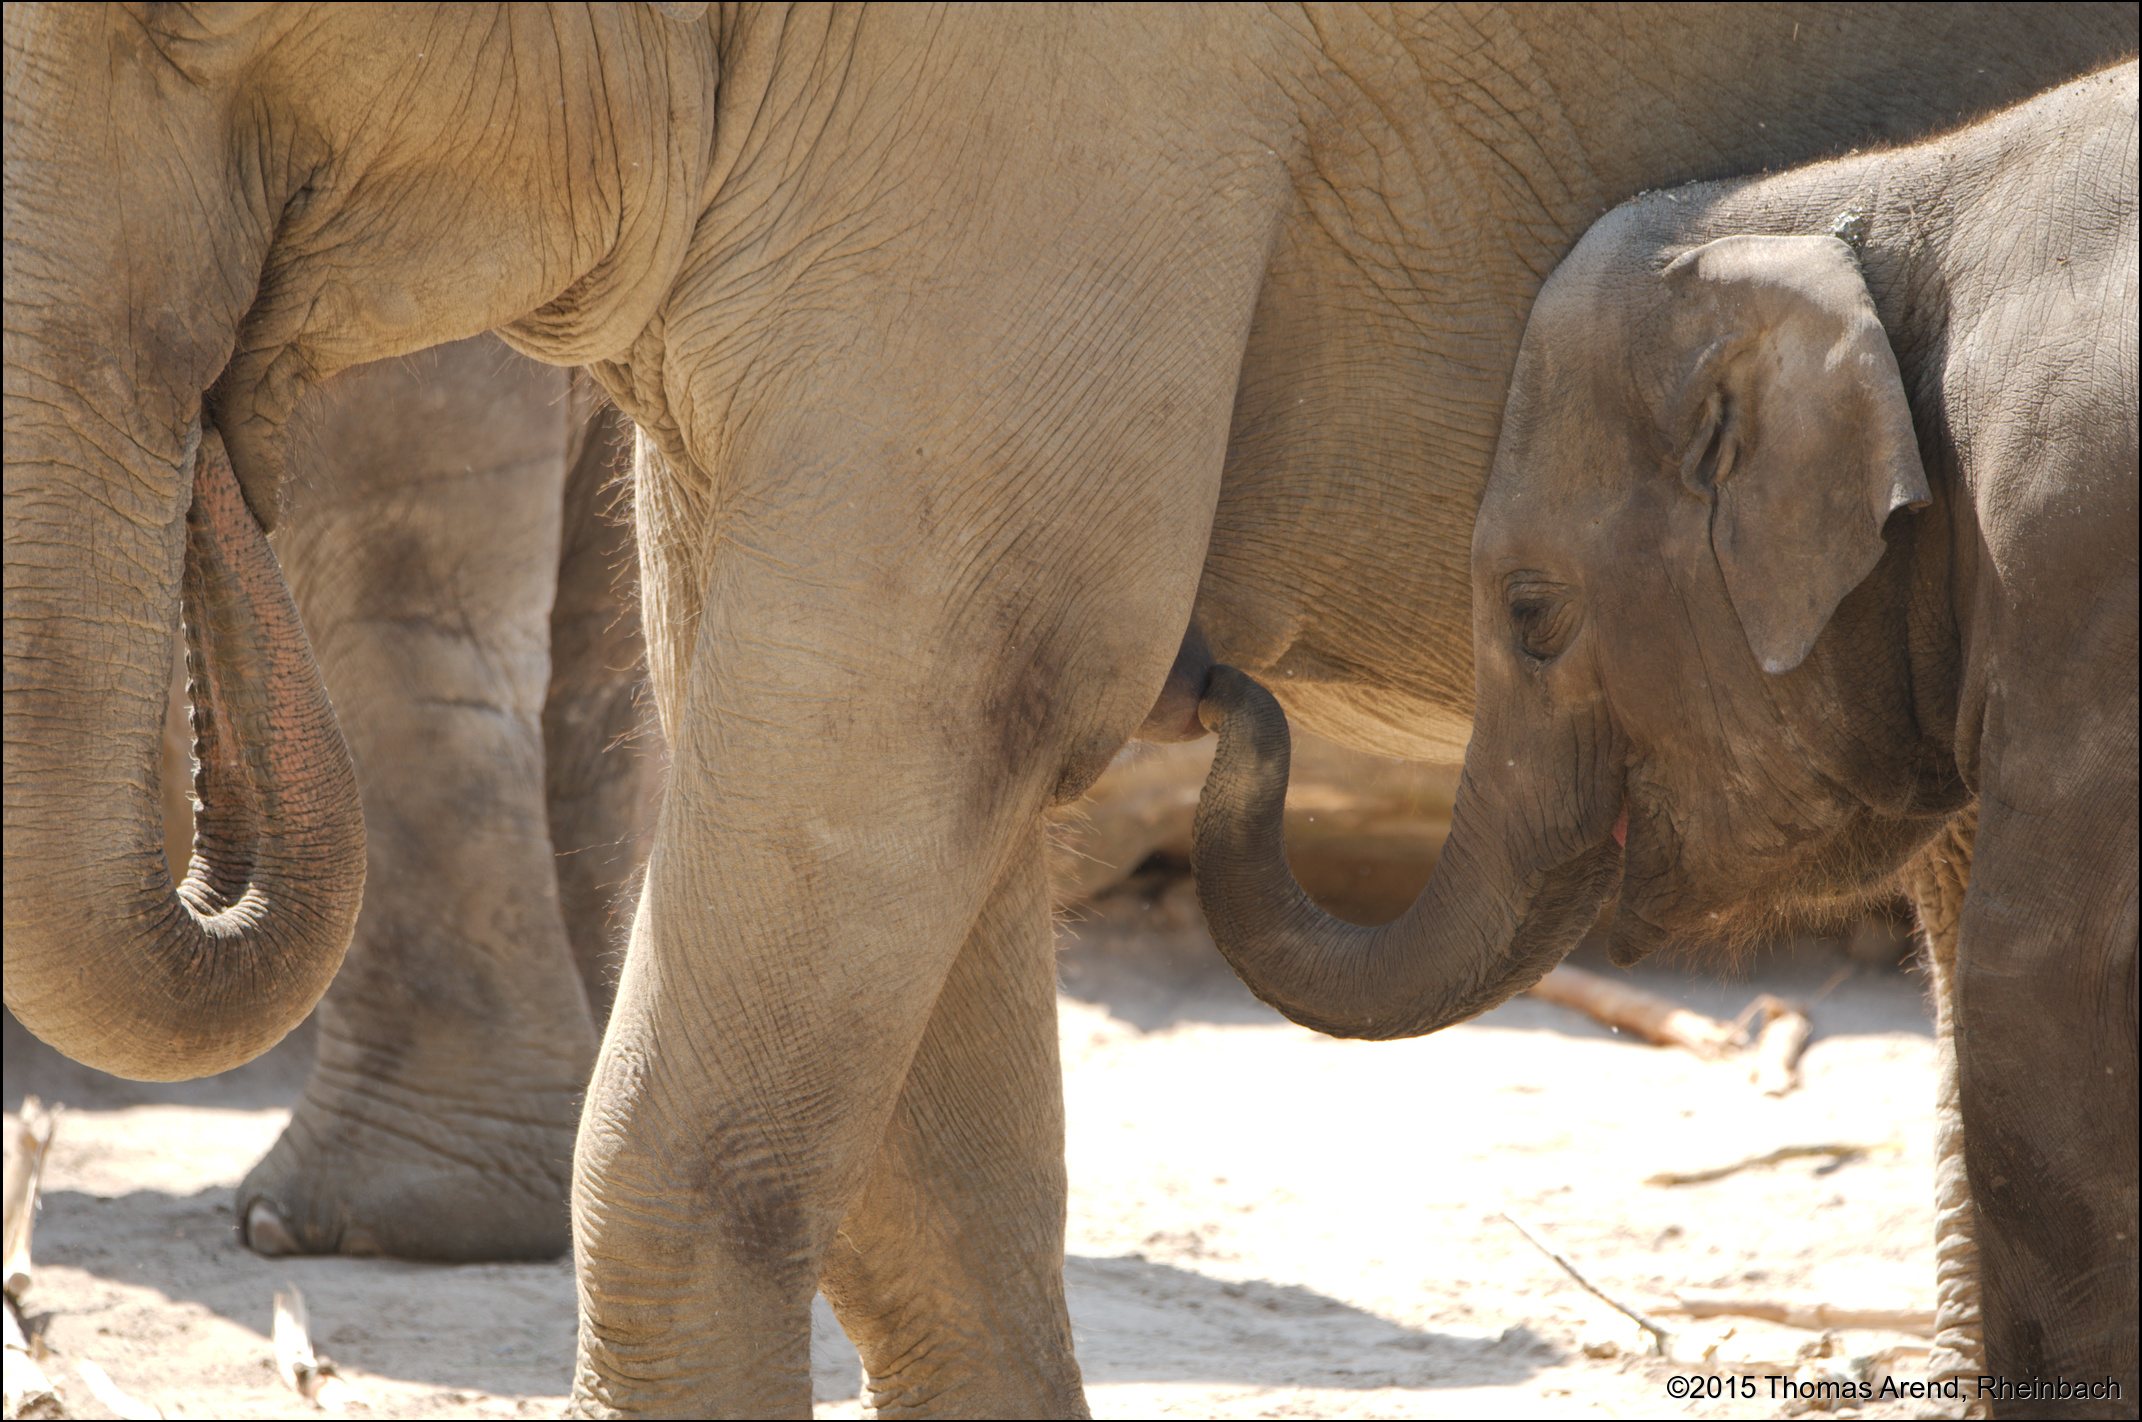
{"points": [[948, 1271], [1936, 881]]}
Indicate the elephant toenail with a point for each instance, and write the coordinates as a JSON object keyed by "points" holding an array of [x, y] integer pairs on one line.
{"points": [[266, 1232]]}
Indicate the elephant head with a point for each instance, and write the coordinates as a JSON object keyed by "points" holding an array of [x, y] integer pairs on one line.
{"points": [[1674, 600], [195, 237]]}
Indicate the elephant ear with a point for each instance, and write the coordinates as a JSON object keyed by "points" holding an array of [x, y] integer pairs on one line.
{"points": [[1792, 422]]}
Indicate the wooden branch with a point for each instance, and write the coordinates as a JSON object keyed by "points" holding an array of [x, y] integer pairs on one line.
{"points": [[1656, 1020], [1776, 1070], [1815, 1317], [115, 1399], [1660, 1338], [27, 1391], [1840, 1150], [26, 1139], [311, 1376]]}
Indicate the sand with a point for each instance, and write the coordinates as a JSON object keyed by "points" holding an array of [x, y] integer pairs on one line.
{"points": [[1263, 1222]]}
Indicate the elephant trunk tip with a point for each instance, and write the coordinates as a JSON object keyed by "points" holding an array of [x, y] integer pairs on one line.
{"points": [[108, 959], [1177, 713]]}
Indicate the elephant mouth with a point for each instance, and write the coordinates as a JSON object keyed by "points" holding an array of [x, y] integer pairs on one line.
{"points": [[1657, 907], [1650, 910], [1632, 937], [255, 485]]}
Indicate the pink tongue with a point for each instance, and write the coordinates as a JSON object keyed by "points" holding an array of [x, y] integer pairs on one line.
{"points": [[1621, 828]]}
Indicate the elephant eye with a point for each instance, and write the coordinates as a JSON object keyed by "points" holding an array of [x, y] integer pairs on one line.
{"points": [[1543, 616]]}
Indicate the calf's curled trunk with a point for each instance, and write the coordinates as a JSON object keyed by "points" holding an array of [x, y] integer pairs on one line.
{"points": [[1509, 898]]}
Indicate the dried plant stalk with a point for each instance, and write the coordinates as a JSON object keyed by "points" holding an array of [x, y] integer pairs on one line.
{"points": [[1656, 1020], [311, 1376], [28, 1138], [1816, 1317]]}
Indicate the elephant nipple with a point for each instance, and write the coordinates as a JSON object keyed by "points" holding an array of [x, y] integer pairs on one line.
{"points": [[1621, 827], [1174, 714]]}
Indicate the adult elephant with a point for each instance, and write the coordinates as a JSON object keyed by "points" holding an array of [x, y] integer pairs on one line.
{"points": [[447, 544], [973, 362]]}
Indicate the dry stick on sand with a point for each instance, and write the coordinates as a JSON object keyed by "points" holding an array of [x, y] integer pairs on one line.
{"points": [[1840, 1150], [115, 1399], [28, 1139], [1778, 1045], [312, 1377], [1660, 1338], [1815, 1317], [1668, 1024], [28, 1391], [1631, 1009]]}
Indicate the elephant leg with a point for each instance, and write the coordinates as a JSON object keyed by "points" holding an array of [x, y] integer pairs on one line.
{"points": [[948, 1272], [602, 749], [1936, 881], [765, 1019], [2045, 997], [846, 797], [438, 1121]]}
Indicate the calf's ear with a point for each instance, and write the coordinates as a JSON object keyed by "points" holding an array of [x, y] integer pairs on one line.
{"points": [[1792, 421]]}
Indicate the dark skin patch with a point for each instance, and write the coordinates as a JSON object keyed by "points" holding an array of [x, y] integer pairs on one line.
{"points": [[1016, 716], [738, 1180]]}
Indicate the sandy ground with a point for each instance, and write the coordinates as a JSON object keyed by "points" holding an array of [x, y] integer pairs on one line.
{"points": [[1264, 1222]]}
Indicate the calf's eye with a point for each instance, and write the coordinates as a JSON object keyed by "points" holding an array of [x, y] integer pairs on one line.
{"points": [[1542, 617]]}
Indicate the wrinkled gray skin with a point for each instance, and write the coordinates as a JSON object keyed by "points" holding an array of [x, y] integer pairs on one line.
{"points": [[1809, 545], [445, 537], [974, 359]]}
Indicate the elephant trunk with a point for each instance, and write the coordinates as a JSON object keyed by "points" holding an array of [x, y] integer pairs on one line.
{"points": [[106, 959], [1501, 910]]}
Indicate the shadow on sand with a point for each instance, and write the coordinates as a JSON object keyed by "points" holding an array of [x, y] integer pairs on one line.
{"points": [[1139, 1321], [273, 1080], [507, 1329]]}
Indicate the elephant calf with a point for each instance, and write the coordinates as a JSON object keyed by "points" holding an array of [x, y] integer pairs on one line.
{"points": [[1807, 564]]}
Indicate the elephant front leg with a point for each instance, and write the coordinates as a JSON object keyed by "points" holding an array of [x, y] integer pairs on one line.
{"points": [[948, 1272], [1936, 881], [2045, 995]]}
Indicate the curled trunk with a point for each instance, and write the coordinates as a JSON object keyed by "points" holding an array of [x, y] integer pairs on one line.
{"points": [[106, 958], [1506, 904]]}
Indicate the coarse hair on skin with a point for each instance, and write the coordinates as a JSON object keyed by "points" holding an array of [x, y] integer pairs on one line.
{"points": [[1060, 835], [1819, 896]]}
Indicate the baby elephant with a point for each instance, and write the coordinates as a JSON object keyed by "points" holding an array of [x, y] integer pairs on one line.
{"points": [[1815, 514]]}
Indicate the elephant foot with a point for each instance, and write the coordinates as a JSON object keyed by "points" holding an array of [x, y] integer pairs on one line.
{"points": [[333, 1185]]}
